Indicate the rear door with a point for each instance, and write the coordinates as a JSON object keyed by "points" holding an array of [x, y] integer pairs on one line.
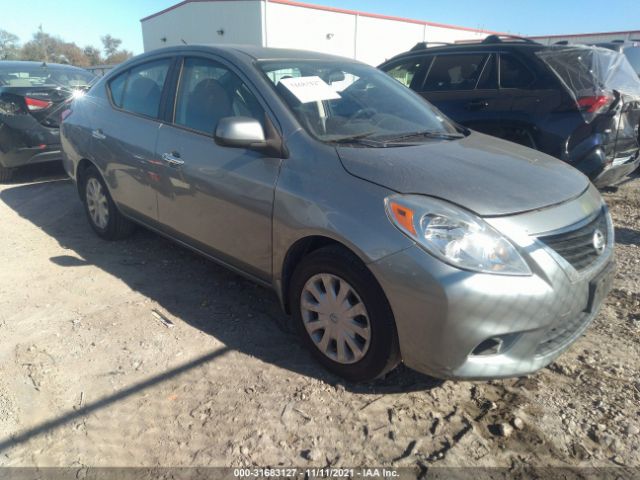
{"points": [[125, 132], [465, 87], [218, 199]]}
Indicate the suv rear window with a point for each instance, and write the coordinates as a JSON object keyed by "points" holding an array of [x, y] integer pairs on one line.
{"points": [[455, 72], [513, 74]]}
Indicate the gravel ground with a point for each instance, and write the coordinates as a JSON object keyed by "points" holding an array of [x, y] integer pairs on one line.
{"points": [[140, 353]]}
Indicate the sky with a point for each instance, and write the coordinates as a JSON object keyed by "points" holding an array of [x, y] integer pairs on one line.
{"points": [[84, 22]]}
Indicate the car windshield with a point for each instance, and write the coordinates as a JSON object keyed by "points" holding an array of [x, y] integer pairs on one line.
{"points": [[347, 102], [45, 76]]}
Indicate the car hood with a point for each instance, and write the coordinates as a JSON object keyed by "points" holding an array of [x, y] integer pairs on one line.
{"points": [[488, 176]]}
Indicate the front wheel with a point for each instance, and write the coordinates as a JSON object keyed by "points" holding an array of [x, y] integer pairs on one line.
{"points": [[103, 215], [343, 316]]}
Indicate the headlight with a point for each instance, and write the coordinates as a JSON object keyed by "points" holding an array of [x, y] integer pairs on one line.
{"points": [[454, 235]]}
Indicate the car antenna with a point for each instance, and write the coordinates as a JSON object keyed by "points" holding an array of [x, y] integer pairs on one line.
{"points": [[182, 40]]}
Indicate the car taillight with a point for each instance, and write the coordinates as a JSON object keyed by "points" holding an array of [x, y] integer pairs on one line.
{"points": [[595, 103], [35, 104]]}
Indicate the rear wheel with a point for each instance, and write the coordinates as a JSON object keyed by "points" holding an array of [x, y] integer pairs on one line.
{"points": [[5, 174], [343, 316], [103, 215]]}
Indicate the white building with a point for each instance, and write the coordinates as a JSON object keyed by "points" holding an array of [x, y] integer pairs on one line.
{"points": [[367, 37], [589, 37]]}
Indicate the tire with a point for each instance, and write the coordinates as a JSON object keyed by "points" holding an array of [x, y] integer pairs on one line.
{"points": [[5, 174], [108, 223], [376, 352]]}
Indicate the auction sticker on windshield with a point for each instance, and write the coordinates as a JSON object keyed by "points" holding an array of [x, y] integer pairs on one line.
{"points": [[310, 89]]}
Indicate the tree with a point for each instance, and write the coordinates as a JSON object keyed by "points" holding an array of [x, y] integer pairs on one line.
{"points": [[110, 45], [94, 56], [118, 57], [8, 46]]}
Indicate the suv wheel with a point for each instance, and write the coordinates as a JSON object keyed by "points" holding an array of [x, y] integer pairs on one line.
{"points": [[103, 215], [343, 316]]}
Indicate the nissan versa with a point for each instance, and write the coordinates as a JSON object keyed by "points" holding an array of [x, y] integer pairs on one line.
{"points": [[389, 232]]}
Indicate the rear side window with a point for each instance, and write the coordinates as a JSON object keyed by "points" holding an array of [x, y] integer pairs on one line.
{"points": [[513, 73], [455, 72], [409, 72], [139, 90]]}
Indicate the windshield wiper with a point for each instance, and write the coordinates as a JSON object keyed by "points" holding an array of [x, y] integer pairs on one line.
{"points": [[426, 134], [360, 139]]}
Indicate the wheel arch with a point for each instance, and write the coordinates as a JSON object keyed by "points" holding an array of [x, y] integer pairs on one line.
{"points": [[296, 253]]}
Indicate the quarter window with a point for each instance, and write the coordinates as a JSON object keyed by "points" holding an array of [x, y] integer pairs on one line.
{"points": [[139, 89], [513, 74], [208, 92], [455, 72]]}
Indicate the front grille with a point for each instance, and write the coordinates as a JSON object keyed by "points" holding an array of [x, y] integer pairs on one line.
{"points": [[561, 335], [577, 246]]}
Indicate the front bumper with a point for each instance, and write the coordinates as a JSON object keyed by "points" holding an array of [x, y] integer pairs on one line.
{"points": [[444, 314]]}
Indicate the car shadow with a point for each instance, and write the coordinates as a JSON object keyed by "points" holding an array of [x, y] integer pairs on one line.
{"points": [[237, 312], [38, 172]]}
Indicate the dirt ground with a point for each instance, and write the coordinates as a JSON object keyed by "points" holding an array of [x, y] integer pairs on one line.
{"points": [[91, 376]]}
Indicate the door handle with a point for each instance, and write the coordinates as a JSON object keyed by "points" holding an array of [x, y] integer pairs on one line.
{"points": [[172, 159], [477, 104], [98, 134]]}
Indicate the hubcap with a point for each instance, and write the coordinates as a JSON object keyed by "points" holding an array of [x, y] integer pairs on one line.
{"points": [[97, 204], [335, 318]]}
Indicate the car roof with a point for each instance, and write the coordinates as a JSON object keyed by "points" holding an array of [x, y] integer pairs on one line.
{"points": [[252, 51], [25, 63], [421, 49]]}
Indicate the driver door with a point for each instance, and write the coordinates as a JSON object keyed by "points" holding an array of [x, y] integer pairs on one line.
{"points": [[215, 198]]}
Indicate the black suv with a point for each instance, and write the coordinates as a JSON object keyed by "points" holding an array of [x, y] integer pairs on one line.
{"points": [[33, 99], [580, 104]]}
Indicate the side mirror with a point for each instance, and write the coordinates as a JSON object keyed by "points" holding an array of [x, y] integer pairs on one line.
{"points": [[241, 132]]}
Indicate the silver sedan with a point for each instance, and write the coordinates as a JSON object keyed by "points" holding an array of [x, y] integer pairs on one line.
{"points": [[389, 232]]}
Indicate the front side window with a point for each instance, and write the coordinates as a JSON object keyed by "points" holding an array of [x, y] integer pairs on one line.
{"points": [[139, 90], [513, 74], [208, 92], [455, 72], [340, 101], [408, 71]]}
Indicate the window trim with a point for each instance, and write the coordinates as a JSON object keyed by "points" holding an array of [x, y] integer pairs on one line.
{"points": [[127, 71], [534, 77]]}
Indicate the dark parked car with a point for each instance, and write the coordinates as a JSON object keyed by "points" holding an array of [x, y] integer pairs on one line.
{"points": [[580, 104], [387, 231], [32, 99], [630, 48]]}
